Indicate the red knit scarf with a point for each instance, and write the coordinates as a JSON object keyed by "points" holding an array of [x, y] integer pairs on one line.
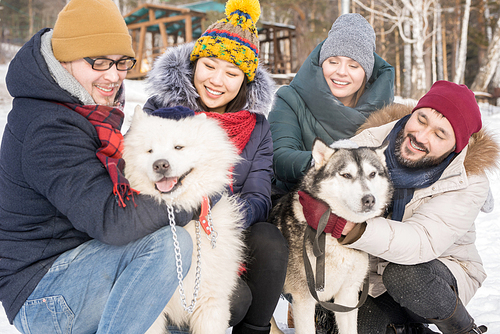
{"points": [[238, 125], [107, 122]]}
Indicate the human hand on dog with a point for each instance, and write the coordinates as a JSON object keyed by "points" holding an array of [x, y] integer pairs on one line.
{"points": [[313, 209], [348, 227]]}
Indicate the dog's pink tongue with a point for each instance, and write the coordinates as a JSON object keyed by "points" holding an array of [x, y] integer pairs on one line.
{"points": [[166, 184]]}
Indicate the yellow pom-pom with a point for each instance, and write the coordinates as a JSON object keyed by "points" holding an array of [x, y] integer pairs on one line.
{"points": [[250, 7]]}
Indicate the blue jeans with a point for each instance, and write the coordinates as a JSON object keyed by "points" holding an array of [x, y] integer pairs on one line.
{"points": [[98, 288]]}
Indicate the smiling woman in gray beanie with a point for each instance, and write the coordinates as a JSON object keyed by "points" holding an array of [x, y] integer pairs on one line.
{"points": [[347, 57], [344, 41], [337, 87]]}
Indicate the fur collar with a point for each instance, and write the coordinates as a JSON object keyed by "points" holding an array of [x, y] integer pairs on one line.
{"points": [[483, 150], [170, 82]]}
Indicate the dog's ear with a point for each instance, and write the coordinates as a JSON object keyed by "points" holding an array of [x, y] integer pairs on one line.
{"points": [[381, 151], [138, 113], [321, 152]]}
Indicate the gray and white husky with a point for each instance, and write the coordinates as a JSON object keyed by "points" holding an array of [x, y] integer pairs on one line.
{"points": [[344, 179], [172, 161]]}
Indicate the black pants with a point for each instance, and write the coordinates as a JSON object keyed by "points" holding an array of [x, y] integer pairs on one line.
{"points": [[260, 286], [414, 293]]}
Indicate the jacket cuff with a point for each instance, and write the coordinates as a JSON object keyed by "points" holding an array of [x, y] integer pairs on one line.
{"points": [[246, 210], [353, 235]]}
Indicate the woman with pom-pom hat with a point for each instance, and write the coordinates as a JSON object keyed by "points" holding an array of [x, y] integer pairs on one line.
{"points": [[219, 75]]}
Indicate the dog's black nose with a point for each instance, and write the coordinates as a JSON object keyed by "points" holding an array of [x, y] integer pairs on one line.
{"points": [[161, 166], [368, 201]]}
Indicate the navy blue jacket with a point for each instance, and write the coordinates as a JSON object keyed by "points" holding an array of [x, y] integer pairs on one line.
{"points": [[170, 84], [54, 192]]}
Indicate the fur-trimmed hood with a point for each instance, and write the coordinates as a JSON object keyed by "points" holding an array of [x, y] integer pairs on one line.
{"points": [[483, 151], [170, 82]]}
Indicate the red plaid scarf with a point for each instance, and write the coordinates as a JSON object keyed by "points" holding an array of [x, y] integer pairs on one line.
{"points": [[238, 125], [107, 122]]}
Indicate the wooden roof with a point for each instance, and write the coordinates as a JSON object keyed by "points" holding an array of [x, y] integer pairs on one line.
{"points": [[173, 17], [187, 22]]}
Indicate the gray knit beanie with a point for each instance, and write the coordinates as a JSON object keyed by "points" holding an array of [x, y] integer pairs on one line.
{"points": [[351, 36]]}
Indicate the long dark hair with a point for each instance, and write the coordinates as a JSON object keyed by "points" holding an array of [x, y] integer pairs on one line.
{"points": [[236, 104], [359, 93]]}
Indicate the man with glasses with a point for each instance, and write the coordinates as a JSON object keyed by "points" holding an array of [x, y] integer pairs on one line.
{"points": [[80, 251]]}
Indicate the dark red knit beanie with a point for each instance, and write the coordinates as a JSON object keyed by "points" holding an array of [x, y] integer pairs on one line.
{"points": [[458, 104]]}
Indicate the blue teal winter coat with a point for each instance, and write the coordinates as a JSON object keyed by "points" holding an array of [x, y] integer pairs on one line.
{"points": [[170, 83], [55, 194]]}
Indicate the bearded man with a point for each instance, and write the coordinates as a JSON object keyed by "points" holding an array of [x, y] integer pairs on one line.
{"points": [[424, 263]]}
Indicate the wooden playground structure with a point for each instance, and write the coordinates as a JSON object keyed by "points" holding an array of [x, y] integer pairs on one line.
{"points": [[154, 28]]}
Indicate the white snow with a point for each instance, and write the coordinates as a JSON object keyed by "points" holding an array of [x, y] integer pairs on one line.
{"points": [[484, 307]]}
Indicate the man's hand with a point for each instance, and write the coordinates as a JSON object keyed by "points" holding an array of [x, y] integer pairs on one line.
{"points": [[348, 227]]}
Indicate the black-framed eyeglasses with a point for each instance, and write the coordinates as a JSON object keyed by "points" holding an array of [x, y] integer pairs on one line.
{"points": [[104, 64]]}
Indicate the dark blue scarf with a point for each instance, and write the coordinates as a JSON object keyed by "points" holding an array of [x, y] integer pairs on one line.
{"points": [[404, 179]]}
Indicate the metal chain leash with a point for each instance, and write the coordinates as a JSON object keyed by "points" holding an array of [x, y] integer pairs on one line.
{"points": [[178, 261], [213, 233]]}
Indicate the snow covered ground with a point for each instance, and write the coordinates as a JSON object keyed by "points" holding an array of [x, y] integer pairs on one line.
{"points": [[484, 307]]}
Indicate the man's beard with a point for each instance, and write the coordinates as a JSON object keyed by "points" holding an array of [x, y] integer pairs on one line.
{"points": [[110, 102], [423, 162]]}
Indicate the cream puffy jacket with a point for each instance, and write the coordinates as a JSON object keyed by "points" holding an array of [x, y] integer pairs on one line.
{"points": [[438, 222]]}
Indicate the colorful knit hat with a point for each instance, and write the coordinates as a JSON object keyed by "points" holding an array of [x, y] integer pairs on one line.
{"points": [[233, 39], [90, 28], [458, 104]]}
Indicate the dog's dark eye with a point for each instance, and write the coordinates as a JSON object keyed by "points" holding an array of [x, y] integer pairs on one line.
{"points": [[346, 176], [178, 147], [373, 174], [150, 151]]}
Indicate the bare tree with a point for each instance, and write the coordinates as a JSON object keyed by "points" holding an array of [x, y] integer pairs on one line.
{"points": [[311, 18], [415, 13], [397, 64], [487, 19], [345, 6], [439, 43], [434, 42], [462, 54], [407, 62], [496, 82], [490, 64], [30, 14]]}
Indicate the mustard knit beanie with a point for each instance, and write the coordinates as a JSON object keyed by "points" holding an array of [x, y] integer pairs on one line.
{"points": [[90, 28], [233, 39]]}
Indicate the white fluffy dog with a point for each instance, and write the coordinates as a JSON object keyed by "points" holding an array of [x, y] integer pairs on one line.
{"points": [[179, 162]]}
